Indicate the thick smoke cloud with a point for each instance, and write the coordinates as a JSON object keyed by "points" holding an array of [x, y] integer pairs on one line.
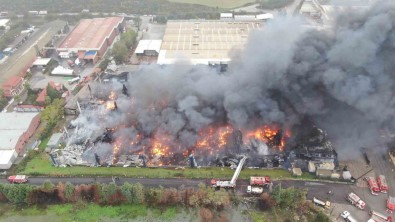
{"points": [[342, 77]]}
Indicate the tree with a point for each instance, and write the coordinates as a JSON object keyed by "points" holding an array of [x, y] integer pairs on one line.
{"points": [[321, 217], [289, 198], [53, 93], [120, 52], [103, 65], [206, 215], [47, 185], [69, 191], [3, 100], [129, 38], [17, 194], [127, 192], [266, 202], [137, 22]]}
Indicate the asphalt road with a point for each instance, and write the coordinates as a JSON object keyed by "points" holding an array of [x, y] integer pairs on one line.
{"points": [[315, 189]]}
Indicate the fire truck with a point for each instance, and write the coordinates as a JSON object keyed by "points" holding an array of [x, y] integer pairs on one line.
{"points": [[17, 179], [232, 183], [382, 183], [391, 203], [374, 187], [378, 217], [356, 201], [259, 181]]}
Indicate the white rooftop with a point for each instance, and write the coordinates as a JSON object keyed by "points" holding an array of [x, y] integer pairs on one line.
{"points": [[41, 61], [148, 44], [60, 70], [226, 15], [264, 16], [4, 22], [7, 156], [12, 126]]}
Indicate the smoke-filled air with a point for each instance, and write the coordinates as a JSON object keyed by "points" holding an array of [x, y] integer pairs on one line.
{"points": [[340, 78]]}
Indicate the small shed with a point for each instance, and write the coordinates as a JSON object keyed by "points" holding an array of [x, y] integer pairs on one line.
{"points": [[54, 141], [324, 173], [347, 175], [326, 165], [41, 62], [297, 172]]}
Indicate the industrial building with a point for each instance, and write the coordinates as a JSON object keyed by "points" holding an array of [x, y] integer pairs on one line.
{"points": [[15, 128], [90, 39], [148, 47], [203, 42]]}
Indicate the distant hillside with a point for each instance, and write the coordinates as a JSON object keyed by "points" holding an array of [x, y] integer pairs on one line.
{"points": [[161, 7], [219, 3]]}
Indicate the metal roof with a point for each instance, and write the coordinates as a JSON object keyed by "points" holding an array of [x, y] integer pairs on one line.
{"points": [[90, 33], [7, 157], [148, 44], [41, 61], [12, 127], [199, 42]]}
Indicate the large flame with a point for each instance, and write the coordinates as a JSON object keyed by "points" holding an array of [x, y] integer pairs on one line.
{"points": [[211, 140]]}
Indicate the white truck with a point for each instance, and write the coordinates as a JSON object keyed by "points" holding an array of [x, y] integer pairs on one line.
{"points": [[348, 217], [356, 201], [321, 203], [254, 190]]}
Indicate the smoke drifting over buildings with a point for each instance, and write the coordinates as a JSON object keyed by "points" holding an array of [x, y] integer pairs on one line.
{"points": [[342, 78]]}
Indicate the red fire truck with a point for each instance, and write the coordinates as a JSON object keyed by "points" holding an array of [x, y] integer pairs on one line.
{"points": [[374, 187], [17, 179], [259, 181], [391, 204], [378, 217], [382, 183]]}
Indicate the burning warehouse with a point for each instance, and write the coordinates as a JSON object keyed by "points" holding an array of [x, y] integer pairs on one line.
{"points": [[165, 114]]}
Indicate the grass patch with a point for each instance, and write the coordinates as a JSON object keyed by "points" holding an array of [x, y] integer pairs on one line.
{"points": [[43, 143], [273, 4], [219, 4], [41, 165], [257, 216]]}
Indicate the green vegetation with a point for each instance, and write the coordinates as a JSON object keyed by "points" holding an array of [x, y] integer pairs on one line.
{"points": [[219, 4], [79, 212], [43, 143], [121, 48], [272, 4], [3, 100], [41, 165], [51, 115], [157, 7]]}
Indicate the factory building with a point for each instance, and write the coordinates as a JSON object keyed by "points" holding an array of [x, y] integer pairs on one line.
{"points": [[204, 42], [90, 39], [15, 128], [148, 47]]}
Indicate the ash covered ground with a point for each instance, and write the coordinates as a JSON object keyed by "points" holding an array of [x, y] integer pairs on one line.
{"points": [[341, 79]]}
